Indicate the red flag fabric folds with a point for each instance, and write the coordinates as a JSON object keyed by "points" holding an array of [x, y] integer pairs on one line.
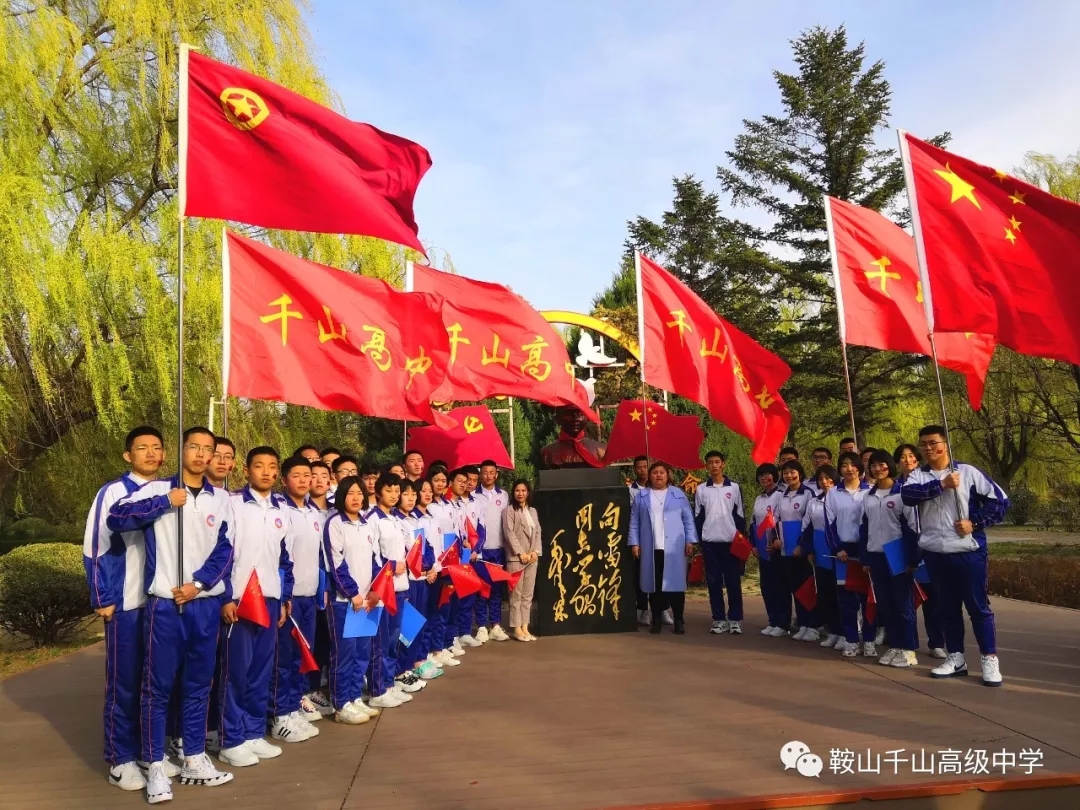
{"points": [[306, 334], [466, 581], [382, 588], [450, 556], [639, 426], [690, 350], [473, 440], [741, 548], [918, 594], [414, 559], [307, 660], [1002, 256], [857, 579], [807, 593], [499, 344], [256, 152], [880, 296], [252, 604], [767, 522]]}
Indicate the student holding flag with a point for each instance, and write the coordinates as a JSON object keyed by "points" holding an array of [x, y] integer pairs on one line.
{"points": [[889, 549], [405, 665], [258, 608], [448, 514], [474, 542], [764, 531], [815, 547], [491, 501], [420, 559], [843, 521], [798, 571], [719, 518]]}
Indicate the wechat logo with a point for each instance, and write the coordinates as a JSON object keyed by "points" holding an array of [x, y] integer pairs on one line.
{"points": [[797, 755]]}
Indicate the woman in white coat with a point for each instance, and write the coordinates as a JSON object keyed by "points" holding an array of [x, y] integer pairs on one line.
{"points": [[662, 536]]}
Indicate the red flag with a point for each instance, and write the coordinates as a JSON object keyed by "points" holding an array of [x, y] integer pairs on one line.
{"points": [[252, 605], [741, 548], [879, 295], [306, 334], [1001, 255], [445, 593], [307, 660], [414, 560], [475, 439], [382, 588], [857, 579], [497, 572], [499, 344], [466, 580], [807, 593], [919, 595], [674, 439], [472, 536], [450, 556], [871, 603], [767, 522], [485, 589], [690, 350], [514, 578], [255, 152]]}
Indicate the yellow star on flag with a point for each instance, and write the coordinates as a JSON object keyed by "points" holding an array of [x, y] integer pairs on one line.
{"points": [[961, 189], [241, 106], [1017, 198], [999, 175], [635, 415], [1010, 236], [1014, 223]]}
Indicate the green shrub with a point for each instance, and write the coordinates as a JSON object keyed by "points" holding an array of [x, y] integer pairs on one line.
{"points": [[1065, 507], [1023, 504], [43, 592], [1051, 580], [32, 530]]}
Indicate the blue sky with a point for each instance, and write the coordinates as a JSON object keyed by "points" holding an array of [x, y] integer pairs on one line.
{"points": [[552, 123]]}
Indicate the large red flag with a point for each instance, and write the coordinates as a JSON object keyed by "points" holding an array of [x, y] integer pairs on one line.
{"points": [[649, 429], [255, 152], [879, 295], [475, 439], [382, 588], [252, 605], [499, 344], [303, 333], [690, 350], [1002, 256]]}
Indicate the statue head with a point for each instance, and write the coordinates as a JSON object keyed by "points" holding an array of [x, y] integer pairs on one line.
{"points": [[570, 419]]}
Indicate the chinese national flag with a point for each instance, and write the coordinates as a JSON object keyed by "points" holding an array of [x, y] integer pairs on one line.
{"points": [[451, 556], [414, 560], [255, 152], [741, 548], [445, 594], [307, 660], [475, 439], [497, 572], [514, 578], [880, 296], [807, 593], [306, 334], [252, 605], [690, 350], [499, 344], [767, 522], [382, 588], [674, 439], [1002, 256], [466, 581]]}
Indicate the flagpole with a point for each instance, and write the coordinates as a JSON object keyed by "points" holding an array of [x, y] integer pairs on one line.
{"points": [[408, 286], [928, 300], [182, 144], [510, 408], [641, 346], [840, 315]]}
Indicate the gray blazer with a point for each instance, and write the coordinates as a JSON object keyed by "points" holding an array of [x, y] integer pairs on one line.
{"points": [[518, 536]]}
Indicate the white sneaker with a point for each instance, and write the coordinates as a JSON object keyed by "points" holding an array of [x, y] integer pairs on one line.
{"points": [[434, 660], [399, 693], [198, 770], [879, 638], [498, 634], [644, 617], [991, 670], [350, 715], [800, 634], [363, 708], [409, 683], [778, 631], [127, 777], [811, 635], [889, 656], [447, 659], [469, 641], [308, 711], [851, 649], [841, 643], [768, 630], [955, 666], [830, 640], [284, 728], [262, 749], [387, 700], [869, 649], [456, 648], [939, 652], [905, 659], [668, 617], [305, 726], [735, 628], [321, 703], [482, 635], [158, 786], [172, 770], [718, 628], [239, 756]]}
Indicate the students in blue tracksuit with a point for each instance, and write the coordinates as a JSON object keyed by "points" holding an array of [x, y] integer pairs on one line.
{"points": [[767, 550], [349, 557], [428, 655], [796, 566], [319, 498], [491, 501], [957, 503], [843, 520], [447, 514], [719, 516], [292, 710], [248, 649], [890, 554], [815, 547], [183, 610], [413, 658], [115, 563], [475, 542]]}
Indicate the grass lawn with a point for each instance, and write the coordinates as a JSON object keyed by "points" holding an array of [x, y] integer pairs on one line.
{"points": [[1021, 549], [16, 656]]}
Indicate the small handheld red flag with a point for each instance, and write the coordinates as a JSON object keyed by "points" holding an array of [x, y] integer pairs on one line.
{"points": [[741, 548], [857, 579], [497, 572], [414, 560], [871, 604], [307, 660], [485, 589], [382, 587], [445, 594], [513, 579], [466, 580], [807, 593], [919, 594], [452, 556], [768, 522], [471, 534], [252, 605]]}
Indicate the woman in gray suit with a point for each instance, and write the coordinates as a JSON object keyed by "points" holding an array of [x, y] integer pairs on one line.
{"points": [[521, 536], [662, 536]]}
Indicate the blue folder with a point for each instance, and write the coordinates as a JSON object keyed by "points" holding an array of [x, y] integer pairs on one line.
{"points": [[412, 622], [762, 543], [895, 556], [320, 595], [822, 553], [790, 530], [841, 572], [361, 623], [922, 574], [448, 539]]}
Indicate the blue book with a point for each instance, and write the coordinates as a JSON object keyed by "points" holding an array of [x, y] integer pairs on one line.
{"points": [[412, 622], [922, 575], [895, 556], [790, 529], [361, 623], [822, 553]]}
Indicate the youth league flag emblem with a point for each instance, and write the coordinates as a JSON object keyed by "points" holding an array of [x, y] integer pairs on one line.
{"points": [[244, 108]]}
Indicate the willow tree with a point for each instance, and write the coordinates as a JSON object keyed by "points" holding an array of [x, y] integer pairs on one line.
{"points": [[88, 216]]}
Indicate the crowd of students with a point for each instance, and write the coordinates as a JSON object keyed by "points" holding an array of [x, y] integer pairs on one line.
{"points": [[186, 675]]}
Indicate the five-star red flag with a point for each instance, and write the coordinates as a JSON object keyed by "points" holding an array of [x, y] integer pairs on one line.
{"points": [[306, 334], [475, 439], [414, 559], [382, 588], [450, 556], [466, 581], [879, 294], [649, 429], [1002, 256], [307, 660], [256, 152], [252, 605], [445, 594], [499, 344], [741, 548], [767, 522], [690, 350]]}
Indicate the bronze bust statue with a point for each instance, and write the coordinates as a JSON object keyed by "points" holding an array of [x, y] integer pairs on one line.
{"points": [[573, 448]]}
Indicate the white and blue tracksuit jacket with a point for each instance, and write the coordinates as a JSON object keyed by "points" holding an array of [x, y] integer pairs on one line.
{"points": [[390, 543], [843, 518], [886, 518], [260, 545], [349, 555], [304, 544], [115, 561], [490, 505], [718, 511], [982, 501], [794, 504], [763, 504]]}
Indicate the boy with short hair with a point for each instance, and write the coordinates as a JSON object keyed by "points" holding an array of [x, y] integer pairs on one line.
{"points": [[491, 502], [719, 517]]}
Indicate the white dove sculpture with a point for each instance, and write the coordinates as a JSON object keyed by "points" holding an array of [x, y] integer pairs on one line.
{"points": [[590, 353]]}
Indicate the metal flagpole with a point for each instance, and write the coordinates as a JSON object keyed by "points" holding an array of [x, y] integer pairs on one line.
{"points": [[405, 423], [510, 408], [928, 301], [182, 133], [641, 347], [840, 316]]}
